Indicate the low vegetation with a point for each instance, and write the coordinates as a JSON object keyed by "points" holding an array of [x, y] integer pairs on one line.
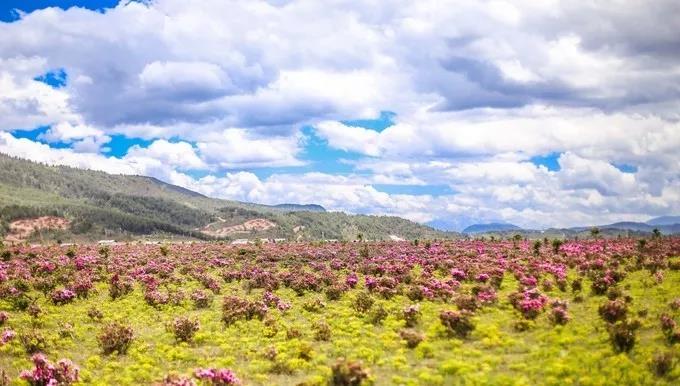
{"points": [[466, 312]]}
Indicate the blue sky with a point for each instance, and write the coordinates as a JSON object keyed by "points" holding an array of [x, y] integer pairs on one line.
{"points": [[519, 112]]}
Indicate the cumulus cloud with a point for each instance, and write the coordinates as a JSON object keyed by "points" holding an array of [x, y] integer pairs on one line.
{"points": [[478, 88]]}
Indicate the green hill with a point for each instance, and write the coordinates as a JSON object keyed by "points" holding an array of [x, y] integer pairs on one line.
{"points": [[100, 205]]}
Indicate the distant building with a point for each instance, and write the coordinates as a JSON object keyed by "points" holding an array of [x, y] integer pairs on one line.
{"points": [[396, 238], [240, 242], [106, 242]]}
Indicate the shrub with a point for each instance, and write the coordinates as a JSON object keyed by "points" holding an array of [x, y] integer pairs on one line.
{"points": [[95, 314], [201, 299], [46, 374], [119, 287], [66, 330], [6, 336], [185, 328], [613, 311], [411, 315], [348, 373], [34, 310], [559, 314], [33, 342], [467, 303], [377, 315], [622, 335], [458, 323], [115, 337], [412, 337], [530, 302], [363, 302], [314, 305], [663, 363], [217, 377], [156, 298], [4, 317], [322, 331], [335, 291], [235, 308], [62, 296]]}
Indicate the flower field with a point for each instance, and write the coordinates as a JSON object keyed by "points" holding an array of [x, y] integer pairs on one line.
{"points": [[589, 312]]}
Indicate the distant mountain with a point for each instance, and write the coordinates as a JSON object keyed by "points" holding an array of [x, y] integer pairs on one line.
{"points": [[632, 226], [300, 207], [97, 205], [664, 220], [490, 227]]}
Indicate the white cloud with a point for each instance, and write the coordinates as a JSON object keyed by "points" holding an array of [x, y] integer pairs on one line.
{"points": [[177, 154], [234, 148], [478, 88]]}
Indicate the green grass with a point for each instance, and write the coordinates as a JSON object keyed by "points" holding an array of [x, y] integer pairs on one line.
{"points": [[577, 353]]}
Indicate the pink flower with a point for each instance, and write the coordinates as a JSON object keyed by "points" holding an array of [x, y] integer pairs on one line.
{"points": [[7, 335]]}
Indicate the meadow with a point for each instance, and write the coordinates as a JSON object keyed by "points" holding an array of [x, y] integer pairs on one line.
{"points": [[506, 312]]}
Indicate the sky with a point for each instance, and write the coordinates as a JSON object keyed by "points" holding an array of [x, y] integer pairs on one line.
{"points": [[537, 113]]}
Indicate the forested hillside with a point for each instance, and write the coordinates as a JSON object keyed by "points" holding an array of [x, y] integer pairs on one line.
{"points": [[101, 205]]}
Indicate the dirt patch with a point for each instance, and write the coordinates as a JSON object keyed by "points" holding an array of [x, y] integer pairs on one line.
{"points": [[21, 230], [258, 225]]}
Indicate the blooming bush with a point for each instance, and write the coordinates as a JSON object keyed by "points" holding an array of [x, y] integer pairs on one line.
{"points": [[46, 374], [235, 308], [217, 377], [559, 314], [119, 286], [62, 296], [530, 302], [201, 299], [7, 336]]}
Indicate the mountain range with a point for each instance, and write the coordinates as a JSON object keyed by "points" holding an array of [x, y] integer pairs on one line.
{"points": [[665, 225]]}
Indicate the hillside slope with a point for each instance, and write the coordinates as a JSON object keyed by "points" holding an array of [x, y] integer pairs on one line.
{"points": [[100, 205]]}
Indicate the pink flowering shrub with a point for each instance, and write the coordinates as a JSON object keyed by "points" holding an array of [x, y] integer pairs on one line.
{"points": [[217, 377], [62, 296], [559, 314], [7, 336], [119, 286], [46, 374], [235, 308], [458, 274], [201, 299], [530, 302]]}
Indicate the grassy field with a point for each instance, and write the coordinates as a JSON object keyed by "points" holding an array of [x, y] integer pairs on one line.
{"points": [[292, 346]]}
